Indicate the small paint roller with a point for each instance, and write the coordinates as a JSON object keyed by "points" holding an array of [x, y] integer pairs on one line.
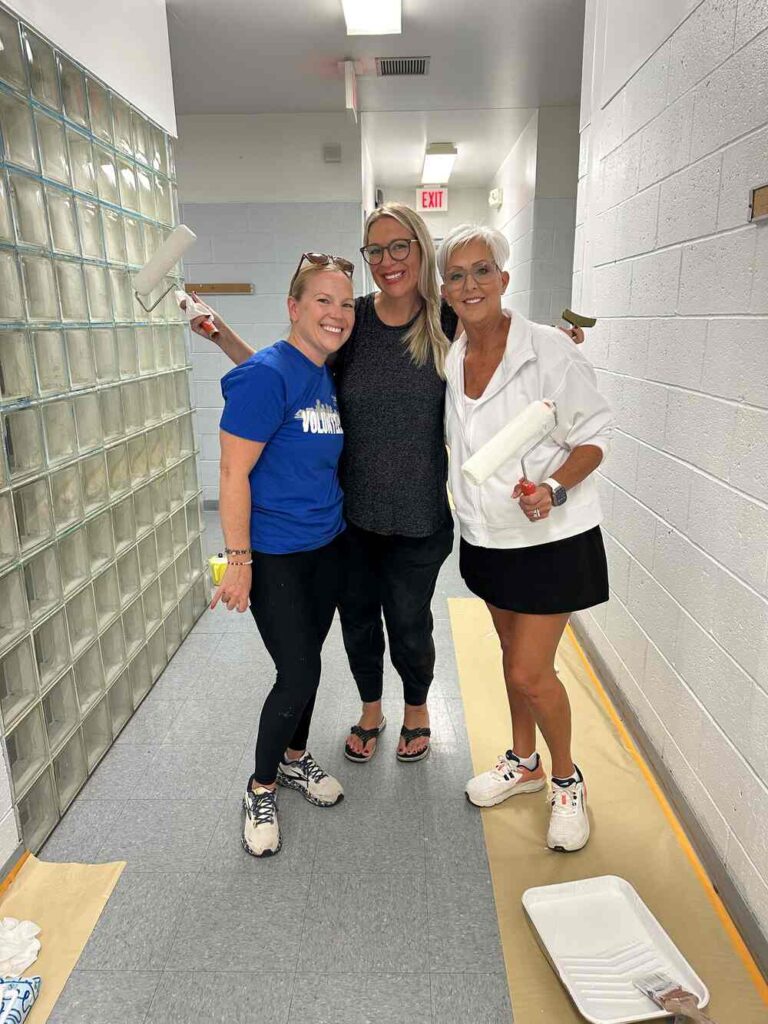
{"points": [[577, 319], [164, 260], [522, 434]]}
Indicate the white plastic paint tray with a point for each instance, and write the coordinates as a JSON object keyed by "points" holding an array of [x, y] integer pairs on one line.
{"points": [[599, 936]]}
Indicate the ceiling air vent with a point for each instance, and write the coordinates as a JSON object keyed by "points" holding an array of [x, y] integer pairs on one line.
{"points": [[386, 67]]}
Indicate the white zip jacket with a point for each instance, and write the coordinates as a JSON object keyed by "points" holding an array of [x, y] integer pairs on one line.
{"points": [[539, 362]]}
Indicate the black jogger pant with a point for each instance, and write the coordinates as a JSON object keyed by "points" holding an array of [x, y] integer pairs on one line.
{"points": [[293, 600], [395, 575]]}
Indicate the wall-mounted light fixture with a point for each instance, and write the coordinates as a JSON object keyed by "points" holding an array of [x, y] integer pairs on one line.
{"points": [[373, 17], [438, 163], [350, 87]]}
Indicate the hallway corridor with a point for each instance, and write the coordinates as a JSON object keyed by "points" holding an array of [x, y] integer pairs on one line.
{"points": [[310, 264]]}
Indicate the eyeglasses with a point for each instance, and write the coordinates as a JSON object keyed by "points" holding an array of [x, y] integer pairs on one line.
{"points": [[398, 249], [480, 273], [322, 259]]}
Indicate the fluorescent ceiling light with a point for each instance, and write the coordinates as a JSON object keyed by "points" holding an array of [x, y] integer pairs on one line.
{"points": [[438, 163], [373, 17]]}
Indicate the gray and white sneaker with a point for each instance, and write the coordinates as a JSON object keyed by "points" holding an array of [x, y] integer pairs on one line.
{"points": [[312, 782], [261, 831]]}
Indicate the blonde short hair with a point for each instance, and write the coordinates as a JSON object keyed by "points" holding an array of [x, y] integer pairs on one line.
{"points": [[464, 234]]}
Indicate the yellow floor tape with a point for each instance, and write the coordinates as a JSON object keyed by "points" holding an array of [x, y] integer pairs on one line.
{"points": [[634, 835], [66, 900]]}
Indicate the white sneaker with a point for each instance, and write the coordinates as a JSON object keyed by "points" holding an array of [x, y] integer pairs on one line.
{"points": [[569, 822], [507, 778], [261, 832], [312, 782]]}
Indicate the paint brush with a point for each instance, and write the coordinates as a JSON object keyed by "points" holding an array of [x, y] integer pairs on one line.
{"points": [[671, 996]]}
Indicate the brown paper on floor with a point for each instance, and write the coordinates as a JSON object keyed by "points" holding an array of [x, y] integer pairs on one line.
{"points": [[631, 837], [66, 901]]}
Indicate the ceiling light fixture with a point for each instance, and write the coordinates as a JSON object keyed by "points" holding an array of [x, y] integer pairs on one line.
{"points": [[373, 17], [438, 163]]}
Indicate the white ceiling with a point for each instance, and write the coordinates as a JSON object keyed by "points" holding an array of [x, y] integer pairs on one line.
{"points": [[492, 63], [397, 140]]}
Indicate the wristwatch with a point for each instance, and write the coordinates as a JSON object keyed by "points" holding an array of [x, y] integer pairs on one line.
{"points": [[559, 493]]}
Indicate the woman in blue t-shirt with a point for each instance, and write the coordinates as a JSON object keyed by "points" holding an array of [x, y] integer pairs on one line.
{"points": [[281, 513]]}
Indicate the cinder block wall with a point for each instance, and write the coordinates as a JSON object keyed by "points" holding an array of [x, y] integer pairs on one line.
{"points": [[516, 177], [538, 178], [260, 244], [666, 257]]}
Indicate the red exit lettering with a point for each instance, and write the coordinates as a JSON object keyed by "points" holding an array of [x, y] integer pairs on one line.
{"points": [[433, 199]]}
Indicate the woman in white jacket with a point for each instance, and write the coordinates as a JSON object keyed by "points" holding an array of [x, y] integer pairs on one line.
{"points": [[533, 559]]}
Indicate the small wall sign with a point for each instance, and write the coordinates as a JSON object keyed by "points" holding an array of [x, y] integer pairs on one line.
{"points": [[759, 203], [432, 199]]}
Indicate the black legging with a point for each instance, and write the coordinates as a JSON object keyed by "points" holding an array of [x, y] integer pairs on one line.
{"points": [[293, 600], [395, 576]]}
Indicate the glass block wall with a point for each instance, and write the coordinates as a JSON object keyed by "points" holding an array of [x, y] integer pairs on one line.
{"points": [[101, 567]]}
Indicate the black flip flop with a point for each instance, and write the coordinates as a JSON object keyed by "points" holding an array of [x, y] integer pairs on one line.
{"points": [[365, 735], [413, 734]]}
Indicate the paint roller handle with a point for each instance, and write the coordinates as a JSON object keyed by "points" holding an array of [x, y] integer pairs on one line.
{"points": [[528, 487], [207, 324]]}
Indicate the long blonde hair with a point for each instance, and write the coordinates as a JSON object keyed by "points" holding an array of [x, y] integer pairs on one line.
{"points": [[425, 337]]}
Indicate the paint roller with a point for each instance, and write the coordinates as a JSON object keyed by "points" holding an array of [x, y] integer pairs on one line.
{"points": [[164, 260], [522, 434], [578, 319]]}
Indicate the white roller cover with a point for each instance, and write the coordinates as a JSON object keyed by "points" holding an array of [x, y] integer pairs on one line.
{"points": [[512, 441], [164, 260]]}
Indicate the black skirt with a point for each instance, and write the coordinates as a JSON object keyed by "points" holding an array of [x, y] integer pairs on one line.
{"points": [[547, 579]]}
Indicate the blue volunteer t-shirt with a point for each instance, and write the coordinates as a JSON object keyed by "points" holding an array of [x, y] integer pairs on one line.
{"points": [[280, 397]]}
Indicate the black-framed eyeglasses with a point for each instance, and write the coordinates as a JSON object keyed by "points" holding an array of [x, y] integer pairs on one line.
{"points": [[323, 259], [398, 249]]}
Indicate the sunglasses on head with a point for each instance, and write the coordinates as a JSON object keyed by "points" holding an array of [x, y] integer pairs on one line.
{"points": [[322, 259]]}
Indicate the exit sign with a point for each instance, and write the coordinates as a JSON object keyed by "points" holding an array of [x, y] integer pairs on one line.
{"points": [[431, 200]]}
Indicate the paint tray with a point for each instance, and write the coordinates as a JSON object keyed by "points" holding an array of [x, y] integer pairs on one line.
{"points": [[599, 936]]}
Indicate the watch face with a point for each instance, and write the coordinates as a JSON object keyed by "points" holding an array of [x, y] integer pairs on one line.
{"points": [[559, 496]]}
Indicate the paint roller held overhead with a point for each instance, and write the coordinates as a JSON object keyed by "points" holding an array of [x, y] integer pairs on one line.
{"points": [[514, 441], [153, 273]]}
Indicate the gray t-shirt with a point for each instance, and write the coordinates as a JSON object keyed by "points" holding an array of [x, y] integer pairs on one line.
{"points": [[394, 464]]}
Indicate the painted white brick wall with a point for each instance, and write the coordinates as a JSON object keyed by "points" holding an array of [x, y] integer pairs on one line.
{"points": [[552, 257], [519, 232], [538, 212], [668, 261], [260, 244]]}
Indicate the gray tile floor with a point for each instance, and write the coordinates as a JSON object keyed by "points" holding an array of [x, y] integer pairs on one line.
{"points": [[378, 910]]}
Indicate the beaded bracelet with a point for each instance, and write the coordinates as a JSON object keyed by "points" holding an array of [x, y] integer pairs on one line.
{"points": [[237, 551], [250, 562]]}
